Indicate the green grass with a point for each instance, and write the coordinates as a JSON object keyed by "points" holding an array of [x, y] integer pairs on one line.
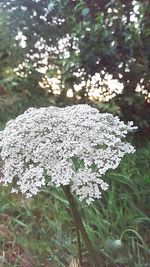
{"points": [[40, 232], [123, 212]]}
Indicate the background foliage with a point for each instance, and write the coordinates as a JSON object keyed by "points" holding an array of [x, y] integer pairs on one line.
{"points": [[69, 52]]}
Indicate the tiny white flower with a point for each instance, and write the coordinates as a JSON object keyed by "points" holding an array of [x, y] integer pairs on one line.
{"points": [[13, 190]]}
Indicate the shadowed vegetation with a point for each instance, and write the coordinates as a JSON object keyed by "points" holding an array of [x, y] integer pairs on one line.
{"points": [[57, 53]]}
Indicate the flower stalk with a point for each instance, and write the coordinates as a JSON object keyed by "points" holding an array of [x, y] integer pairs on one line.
{"points": [[96, 261]]}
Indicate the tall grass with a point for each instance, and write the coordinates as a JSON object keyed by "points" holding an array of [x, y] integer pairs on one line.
{"points": [[40, 232]]}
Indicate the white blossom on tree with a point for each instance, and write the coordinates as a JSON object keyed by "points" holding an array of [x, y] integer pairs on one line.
{"points": [[54, 146]]}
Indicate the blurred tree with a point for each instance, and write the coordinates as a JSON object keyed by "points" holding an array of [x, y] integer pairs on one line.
{"points": [[74, 42]]}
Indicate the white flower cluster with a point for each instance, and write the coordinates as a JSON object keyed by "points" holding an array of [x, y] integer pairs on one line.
{"points": [[73, 146]]}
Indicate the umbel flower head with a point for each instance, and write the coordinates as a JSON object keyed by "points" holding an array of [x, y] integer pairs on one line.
{"points": [[54, 146]]}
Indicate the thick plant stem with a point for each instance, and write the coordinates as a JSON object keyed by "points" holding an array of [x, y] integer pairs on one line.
{"points": [[78, 243], [78, 221]]}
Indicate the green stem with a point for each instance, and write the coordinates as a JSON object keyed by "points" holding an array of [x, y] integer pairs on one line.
{"points": [[78, 242], [78, 221]]}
